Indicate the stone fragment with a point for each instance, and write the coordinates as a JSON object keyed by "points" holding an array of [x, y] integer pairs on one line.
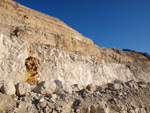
{"points": [[23, 88], [142, 84], [136, 110], [46, 109], [41, 99], [53, 97], [8, 88], [125, 85], [132, 84], [51, 105], [118, 86], [110, 85], [42, 104], [45, 87], [93, 88], [131, 111]]}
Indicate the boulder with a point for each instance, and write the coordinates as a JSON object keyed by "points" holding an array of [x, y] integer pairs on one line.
{"points": [[8, 88], [45, 87], [23, 88]]}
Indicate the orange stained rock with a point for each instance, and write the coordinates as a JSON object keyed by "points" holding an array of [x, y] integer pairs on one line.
{"points": [[30, 79]]}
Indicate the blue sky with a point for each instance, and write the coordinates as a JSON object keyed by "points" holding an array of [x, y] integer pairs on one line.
{"points": [[123, 24]]}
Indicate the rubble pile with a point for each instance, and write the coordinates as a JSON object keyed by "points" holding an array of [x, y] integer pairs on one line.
{"points": [[117, 97]]}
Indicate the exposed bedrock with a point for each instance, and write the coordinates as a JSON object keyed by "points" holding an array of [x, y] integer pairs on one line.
{"points": [[75, 75], [21, 60], [34, 44]]}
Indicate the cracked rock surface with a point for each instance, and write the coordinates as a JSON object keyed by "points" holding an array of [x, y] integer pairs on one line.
{"points": [[33, 44]]}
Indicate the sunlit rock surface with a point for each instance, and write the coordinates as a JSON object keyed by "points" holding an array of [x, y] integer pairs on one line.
{"points": [[34, 44], [86, 78]]}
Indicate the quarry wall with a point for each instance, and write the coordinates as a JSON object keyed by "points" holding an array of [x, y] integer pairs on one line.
{"points": [[34, 44]]}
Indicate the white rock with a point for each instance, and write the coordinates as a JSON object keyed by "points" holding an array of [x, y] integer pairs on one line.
{"points": [[57, 64], [53, 97], [118, 86], [23, 88], [42, 104], [142, 110], [41, 99], [8, 88], [46, 87]]}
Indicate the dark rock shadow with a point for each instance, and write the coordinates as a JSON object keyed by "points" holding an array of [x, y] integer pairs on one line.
{"points": [[59, 87]]}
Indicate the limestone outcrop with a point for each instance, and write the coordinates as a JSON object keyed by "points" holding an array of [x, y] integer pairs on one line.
{"points": [[34, 44]]}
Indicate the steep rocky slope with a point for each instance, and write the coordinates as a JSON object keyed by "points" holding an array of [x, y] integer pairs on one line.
{"points": [[34, 44]]}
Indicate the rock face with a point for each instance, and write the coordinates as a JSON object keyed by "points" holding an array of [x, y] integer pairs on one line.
{"points": [[72, 70], [34, 44], [76, 76]]}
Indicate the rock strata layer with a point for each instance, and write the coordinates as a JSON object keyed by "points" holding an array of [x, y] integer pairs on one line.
{"points": [[34, 44]]}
